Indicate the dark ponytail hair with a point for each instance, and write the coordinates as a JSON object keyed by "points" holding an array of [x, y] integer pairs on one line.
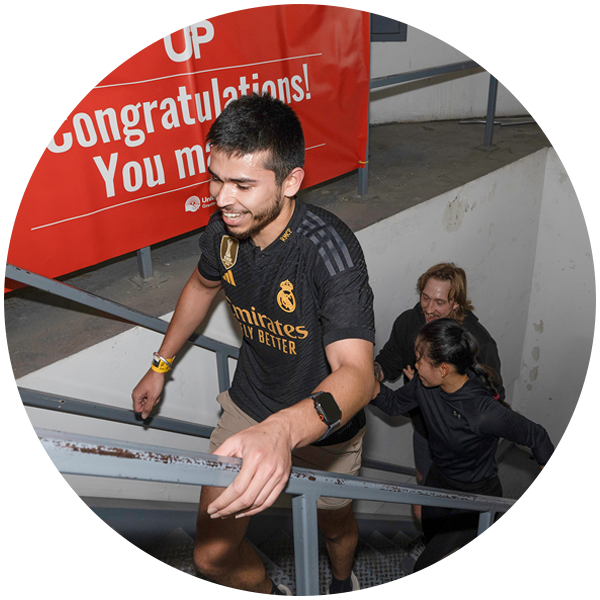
{"points": [[445, 341]]}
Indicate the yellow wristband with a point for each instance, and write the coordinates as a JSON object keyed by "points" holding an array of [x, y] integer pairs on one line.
{"points": [[160, 364]]}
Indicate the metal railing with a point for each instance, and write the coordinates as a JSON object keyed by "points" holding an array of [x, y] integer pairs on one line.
{"points": [[86, 455], [494, 61]]}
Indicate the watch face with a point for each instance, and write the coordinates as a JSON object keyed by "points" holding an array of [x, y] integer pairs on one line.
{"points": [[331, 411]]}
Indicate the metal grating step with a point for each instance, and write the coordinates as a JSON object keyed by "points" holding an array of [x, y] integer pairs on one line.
{"points": [[177, 550], [400, 561], [104, 567], [390, 567], [279, 548], [52, 581], [275, 571]]}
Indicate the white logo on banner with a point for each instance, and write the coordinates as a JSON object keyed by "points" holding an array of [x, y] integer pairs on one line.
{"points": [[194, 35], [192, 204]]}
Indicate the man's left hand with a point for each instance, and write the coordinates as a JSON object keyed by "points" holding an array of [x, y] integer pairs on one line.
{"points": [[559, 507], [266, 452]]}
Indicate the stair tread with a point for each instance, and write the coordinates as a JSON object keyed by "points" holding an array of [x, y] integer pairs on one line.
{"points": [[52, 581], [177, 550], [275, 572], [380, 562], [105, 567]]}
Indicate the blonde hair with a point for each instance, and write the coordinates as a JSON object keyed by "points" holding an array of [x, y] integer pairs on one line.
{"points": [[458, 286]]}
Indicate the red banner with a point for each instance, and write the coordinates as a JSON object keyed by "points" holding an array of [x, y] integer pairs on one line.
{"points": [[127, 169]]}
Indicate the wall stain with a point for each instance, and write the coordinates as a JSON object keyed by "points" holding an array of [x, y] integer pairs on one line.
{"points": [[539, 327], [453, 215]]}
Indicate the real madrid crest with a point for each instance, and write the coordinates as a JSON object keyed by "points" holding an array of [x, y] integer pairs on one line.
{"points": [[229, 251], [285, 298]]}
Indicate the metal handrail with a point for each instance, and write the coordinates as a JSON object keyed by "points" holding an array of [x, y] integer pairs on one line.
{"points": [[95, 410], [75, 454], [69, 292], [387, 80], [86, 455]]}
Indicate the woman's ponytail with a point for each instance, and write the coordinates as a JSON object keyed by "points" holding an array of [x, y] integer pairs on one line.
{"points": [[445, 341]]}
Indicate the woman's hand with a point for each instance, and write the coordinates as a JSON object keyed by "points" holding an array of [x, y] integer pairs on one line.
{"points": [[409, 372]]}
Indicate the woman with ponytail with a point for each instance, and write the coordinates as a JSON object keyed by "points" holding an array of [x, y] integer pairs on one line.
{"points": [[465, 418]]}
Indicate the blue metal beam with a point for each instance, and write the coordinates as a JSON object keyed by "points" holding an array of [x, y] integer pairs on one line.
{"points": [[83, 408], [86, 455], [109, 307], [421, 74], [306, 544]]}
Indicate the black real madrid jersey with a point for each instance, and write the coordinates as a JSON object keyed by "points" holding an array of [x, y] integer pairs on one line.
{"points": [[307, 289]]}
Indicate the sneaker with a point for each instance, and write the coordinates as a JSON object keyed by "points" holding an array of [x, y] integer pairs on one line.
{"points": [[284, 589], [29, 531], [467, 589], [355, 584]]}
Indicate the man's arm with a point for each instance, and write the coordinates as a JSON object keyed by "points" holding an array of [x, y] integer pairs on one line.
{"points": [[191, 309], [266, 448]]}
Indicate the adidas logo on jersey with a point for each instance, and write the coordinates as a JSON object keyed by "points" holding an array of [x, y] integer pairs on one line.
{"points": [[228, 277]]}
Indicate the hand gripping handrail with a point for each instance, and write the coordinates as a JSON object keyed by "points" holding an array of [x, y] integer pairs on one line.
{"points": [[86, 455]]}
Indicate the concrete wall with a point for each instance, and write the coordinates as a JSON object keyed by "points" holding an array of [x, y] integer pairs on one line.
{"points": [[489, 227], [559, 333], [542, 81]]}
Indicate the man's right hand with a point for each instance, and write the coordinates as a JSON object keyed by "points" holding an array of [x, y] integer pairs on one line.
{"points": [[146, 393]]}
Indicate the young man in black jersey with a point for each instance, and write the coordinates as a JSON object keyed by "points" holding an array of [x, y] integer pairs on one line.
{"points": [[443, 294], [294, 277]]}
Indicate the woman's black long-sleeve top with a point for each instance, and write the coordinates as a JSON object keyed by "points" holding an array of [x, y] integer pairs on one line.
{"points": [[464, 426]]}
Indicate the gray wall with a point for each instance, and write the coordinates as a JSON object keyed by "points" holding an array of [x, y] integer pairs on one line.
{"points": [[542, 82]]}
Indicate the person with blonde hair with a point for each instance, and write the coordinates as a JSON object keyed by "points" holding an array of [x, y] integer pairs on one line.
{"points": [[443, 294]]}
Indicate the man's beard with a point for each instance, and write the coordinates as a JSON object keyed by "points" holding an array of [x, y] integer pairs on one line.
{"points": [[261, 220]]}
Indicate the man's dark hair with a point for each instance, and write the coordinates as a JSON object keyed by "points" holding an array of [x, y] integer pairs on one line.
{"points": [[257, 123]]}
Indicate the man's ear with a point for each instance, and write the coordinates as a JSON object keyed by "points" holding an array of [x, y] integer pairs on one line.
{"points": [[292, 183]]}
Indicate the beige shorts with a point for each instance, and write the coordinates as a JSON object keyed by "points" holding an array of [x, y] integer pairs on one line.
{"points": [[341, 458]]}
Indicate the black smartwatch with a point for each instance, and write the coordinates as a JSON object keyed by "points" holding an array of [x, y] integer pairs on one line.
{"points": [[328, 410], [559, 491]]}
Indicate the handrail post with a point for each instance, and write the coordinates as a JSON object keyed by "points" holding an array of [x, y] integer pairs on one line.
{"points": [[144, 260], [223, 371], [306, 544], [363, 173], [493, 91], [482, 554], [559, 541]]}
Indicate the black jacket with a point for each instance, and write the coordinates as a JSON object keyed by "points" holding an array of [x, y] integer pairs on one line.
{"points": [[464, 427], [399, 351]]}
